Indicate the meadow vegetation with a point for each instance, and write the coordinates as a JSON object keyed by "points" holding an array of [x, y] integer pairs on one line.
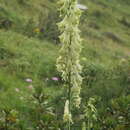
{"points": [[32, 95]]}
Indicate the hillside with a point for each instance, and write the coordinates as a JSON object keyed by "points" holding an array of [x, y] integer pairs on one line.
{"points": [[29, 47]]}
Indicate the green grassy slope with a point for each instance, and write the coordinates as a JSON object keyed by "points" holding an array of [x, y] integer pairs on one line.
{"points": [[109, 16], [106, 38], [106, 45]]}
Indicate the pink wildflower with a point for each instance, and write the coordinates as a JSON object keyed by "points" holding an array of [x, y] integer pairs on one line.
{"points": [[28, 80], [55, 78], [30, 87]]}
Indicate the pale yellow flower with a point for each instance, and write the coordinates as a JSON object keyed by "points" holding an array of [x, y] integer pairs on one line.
{"points": [[67, 115]]}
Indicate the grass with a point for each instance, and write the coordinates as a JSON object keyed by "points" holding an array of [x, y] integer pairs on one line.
{"points": [[23, 55], [31, 57]]}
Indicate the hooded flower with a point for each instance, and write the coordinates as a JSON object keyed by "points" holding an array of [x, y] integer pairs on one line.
{"points": [[68, 62], [67, 115]]}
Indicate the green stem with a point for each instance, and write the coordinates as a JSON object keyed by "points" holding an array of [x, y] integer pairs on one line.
{"points": [[69, 85], [6, 124], [69, 98], [88, 124]]}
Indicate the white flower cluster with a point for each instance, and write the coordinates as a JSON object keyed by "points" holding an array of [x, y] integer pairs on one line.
{"points": [[67, 115], [68, 61]]}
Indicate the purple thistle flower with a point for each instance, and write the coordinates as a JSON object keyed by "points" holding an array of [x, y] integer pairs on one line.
{"points": [[28, 80], [55, 78]]}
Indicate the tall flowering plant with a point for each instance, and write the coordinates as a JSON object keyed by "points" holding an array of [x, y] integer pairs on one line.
{"points": [[68, 61]]}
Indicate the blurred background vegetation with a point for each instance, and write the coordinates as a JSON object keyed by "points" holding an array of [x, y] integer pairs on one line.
{"points": [[28, 49]]}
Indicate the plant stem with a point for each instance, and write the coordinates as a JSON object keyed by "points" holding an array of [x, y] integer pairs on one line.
{"points": [[69, 98], [6, 124], [88, 124], [69, 85]]}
